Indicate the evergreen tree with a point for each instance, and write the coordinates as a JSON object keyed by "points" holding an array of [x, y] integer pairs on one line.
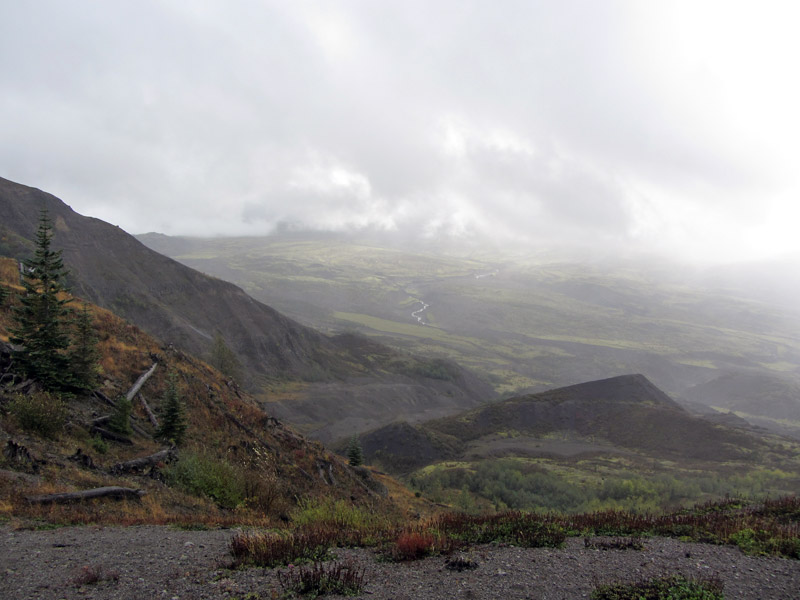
{"points": [[84, 355], [355, 455], [120, 420], [173, 423], [224, 360], [43, 318], [4, 294]]}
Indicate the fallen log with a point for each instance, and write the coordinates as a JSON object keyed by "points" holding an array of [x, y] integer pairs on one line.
{"points": [[111, 492], [139, 464], [110, 435], [140, 382], [150, 414], [101, 396]]}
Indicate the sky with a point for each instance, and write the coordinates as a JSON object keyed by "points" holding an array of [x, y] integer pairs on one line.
{"points": [[669, 127]]}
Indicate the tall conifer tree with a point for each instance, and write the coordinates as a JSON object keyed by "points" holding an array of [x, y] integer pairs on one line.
{"points": [[43, 318], [173, 423], [84, 354]]}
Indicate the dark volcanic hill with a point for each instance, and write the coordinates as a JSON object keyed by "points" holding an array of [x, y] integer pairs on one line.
{"points": [[181, 306], [626, 412]]}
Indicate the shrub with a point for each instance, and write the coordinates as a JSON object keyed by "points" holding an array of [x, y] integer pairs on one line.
{"points": [[273, 549], [676, 587], [99, 444], [413, 545], [205, 475], [39, 413], [345, 578]]}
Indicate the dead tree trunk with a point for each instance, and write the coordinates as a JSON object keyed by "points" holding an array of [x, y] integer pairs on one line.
{"points": [[112, 492], [139, 464], [140, 382], [150, 414]]}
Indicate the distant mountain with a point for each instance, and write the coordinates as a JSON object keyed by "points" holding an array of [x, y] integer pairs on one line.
{"points": [[626, 413], [762, 399]]}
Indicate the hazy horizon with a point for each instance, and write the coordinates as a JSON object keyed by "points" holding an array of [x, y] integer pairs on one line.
{"points": [[624, 127]]}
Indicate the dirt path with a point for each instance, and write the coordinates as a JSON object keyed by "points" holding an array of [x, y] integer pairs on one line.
{"points": [[142, 563]]}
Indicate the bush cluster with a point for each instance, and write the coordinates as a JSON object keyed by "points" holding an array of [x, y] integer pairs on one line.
{"points": [[204, 475], [40, 413]]}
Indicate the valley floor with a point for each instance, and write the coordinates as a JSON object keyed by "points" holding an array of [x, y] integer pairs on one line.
{"points": [[159, 562]]}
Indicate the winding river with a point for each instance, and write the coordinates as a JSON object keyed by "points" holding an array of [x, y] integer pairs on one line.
{"points": [[416, 314]]}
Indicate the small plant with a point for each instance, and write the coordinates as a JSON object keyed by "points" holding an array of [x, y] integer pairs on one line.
{"points": [[676, 587], [631, 543], [271, 549], [99, 444], [342, 578], [89, 575], [460, 563], [414, 545], [40, 413]]}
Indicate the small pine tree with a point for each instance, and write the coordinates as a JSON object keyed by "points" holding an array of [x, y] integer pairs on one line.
{"points": [[173, 423], [4, 294], [224, 360], [84, 355], [120, 420], [43, 318], [355, 455]]}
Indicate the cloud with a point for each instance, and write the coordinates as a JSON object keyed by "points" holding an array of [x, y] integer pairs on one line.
{"points": [[646, 123]]}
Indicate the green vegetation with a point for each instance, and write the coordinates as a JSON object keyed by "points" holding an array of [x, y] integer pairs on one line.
{"points": [[43, 318], [84, 355], [41, 413], [590, 484], [173, 422], [224, 360], [355, 455], [676, 587], [203, 474], [120, 420]]}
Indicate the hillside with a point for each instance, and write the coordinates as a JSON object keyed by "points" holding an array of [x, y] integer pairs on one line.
{"points": [[234, 455], [591, 440], [767, 400], [185, 308]]}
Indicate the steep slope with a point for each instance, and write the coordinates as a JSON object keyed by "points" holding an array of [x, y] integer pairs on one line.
{"points": [[261, 463], [179, 305]]}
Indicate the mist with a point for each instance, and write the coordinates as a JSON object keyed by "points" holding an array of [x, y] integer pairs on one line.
{"points": [[623, 127]]}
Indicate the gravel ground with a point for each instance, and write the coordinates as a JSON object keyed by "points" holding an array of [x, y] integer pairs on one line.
{"points": [[145, 563]]}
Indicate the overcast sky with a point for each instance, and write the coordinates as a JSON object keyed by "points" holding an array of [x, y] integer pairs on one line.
{"points": [[668, 125]]}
